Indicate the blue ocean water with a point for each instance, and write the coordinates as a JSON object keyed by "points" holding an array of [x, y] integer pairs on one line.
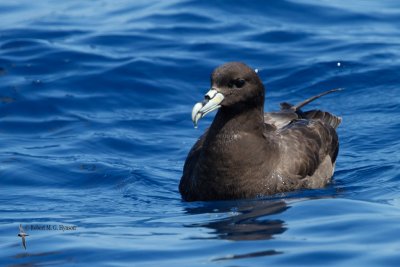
{"points": [[95, 102]]}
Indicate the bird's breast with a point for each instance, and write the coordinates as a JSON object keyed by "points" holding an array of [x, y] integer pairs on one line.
{"points": [[233, 154]]}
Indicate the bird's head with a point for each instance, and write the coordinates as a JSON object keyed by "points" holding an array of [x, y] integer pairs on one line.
{"points": [[234, 86]]}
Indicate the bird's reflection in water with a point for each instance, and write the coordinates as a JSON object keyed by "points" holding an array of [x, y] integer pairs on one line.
{"points": [[247, 221], [249, 255]]}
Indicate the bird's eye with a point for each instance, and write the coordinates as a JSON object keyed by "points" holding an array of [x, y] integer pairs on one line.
{"points": [[238, 83]]}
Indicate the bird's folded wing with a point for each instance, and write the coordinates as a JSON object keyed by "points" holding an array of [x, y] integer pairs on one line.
{"points": [[280, 119], [304, 145]]}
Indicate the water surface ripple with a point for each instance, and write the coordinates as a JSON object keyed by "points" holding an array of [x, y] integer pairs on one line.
{"points": [[95, 102]]}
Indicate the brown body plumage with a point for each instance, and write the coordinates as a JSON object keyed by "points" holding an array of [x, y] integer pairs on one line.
{"points": [[246, 153]]}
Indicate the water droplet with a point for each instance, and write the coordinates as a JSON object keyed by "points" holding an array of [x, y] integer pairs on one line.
{"points": [[37, 81]]}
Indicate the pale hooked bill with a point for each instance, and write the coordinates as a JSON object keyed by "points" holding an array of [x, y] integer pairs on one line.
{"points": [[211, 103]]}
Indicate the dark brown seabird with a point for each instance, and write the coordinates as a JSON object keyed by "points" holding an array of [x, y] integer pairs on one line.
{"points": [[247, 153]]}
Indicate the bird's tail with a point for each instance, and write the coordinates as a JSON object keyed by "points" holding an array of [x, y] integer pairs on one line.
{"points": [[327, 117]]}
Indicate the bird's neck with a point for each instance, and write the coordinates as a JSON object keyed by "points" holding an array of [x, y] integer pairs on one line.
{"points": [[249, 120]]}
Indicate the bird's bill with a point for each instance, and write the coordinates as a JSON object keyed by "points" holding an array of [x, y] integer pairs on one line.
{"points": [[211, 102]]}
